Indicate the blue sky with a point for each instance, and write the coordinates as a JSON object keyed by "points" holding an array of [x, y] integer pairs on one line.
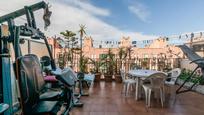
{"points": [[113, 19], [166, 17]]}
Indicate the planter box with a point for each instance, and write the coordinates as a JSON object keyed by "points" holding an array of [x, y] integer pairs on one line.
{"points": [[196, 88]]}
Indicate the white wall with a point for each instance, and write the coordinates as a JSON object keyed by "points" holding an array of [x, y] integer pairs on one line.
{"points": [[185, 64]]}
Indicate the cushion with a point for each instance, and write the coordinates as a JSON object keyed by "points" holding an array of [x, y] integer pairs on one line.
{"points": [[44, 107], [50, 95], [50, 78]]}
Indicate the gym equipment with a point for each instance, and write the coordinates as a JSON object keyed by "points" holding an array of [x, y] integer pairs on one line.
{"points": [[81, 80], [29, 29], [29, 91], [67, 77], [3, 107], [36, 70], [5, 73], [195, 58]]}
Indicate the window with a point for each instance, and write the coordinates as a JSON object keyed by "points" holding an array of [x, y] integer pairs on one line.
{"points": [[134, 42]]}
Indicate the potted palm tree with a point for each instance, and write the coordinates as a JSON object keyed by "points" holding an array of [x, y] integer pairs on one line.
{"points": [[97, 64], [144, 63], [109, 63], [122, 55], [61, 61], [81, 32], [83, 64], [161, 61]]}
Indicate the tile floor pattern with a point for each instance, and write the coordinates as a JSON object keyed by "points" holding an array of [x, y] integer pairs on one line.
{"points": [[106, 99]]}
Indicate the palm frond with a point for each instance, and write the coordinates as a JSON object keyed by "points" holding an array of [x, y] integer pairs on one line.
{"points": [[82, 30]]}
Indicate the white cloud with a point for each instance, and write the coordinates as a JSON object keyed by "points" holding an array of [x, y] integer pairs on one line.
{"points": [[86, 6], [140, 11], [68, 16]]}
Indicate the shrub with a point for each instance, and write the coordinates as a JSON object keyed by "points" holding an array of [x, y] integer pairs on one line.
{"points": [[195, 79]]}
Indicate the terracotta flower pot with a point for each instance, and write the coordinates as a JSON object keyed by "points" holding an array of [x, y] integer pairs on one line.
{"points": [[97, 77], [108, 78], [118, 78]]}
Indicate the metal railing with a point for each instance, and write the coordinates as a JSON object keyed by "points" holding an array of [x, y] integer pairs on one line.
{"points": [[162, 64]]}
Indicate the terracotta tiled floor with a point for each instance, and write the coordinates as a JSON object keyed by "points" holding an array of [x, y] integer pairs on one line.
{"points": [[106, 99]]}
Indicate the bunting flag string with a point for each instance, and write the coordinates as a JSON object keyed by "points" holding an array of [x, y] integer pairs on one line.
{"points": [[185, 36], [113, 43]]}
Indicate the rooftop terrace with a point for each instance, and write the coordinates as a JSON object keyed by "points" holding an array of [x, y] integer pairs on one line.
{"points": [[106, 99], [42, 72]]}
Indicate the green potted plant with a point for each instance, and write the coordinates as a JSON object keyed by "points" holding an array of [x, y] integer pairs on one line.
{"points": [[117, 75], [161, 61], [144, 63], [62, 59], [109, 63], [122, 55], [97, 64], [83, 64]]}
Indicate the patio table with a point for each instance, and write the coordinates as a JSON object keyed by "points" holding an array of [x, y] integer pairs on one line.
{"points": [[141, 74]]}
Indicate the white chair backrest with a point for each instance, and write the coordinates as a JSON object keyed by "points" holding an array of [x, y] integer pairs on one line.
{"points": [[157, 79], [175, 73], [122, 73]]}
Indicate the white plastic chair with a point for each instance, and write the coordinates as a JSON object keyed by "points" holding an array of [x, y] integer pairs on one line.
{"points": [[171, 80], [127, 82], [156, 84], [174, 74]]}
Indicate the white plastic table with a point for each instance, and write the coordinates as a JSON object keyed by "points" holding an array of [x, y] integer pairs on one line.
{"points": [[141, 74]]}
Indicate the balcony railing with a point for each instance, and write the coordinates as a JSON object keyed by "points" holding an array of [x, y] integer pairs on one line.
{"points": [[162, 64]]}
